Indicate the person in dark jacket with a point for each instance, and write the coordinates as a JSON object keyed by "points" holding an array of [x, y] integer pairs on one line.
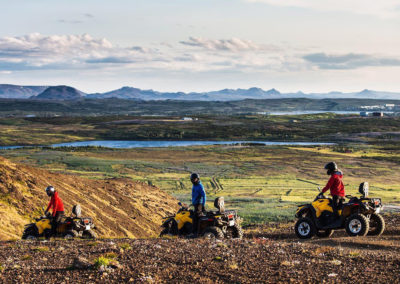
{"points": [[336, 187], [57, 207], [198, 201]]}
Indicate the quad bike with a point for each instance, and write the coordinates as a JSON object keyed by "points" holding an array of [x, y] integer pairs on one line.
{"points": [[214, 224], [70, 227], [359, 216]]}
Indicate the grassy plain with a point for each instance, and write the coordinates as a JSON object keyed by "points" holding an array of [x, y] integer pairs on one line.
{"points": [[263, 183], [96, 107], [318, 127]]}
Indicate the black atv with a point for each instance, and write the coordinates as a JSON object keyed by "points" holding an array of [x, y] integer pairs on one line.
{"points": [[214, 224], [359, 216]]}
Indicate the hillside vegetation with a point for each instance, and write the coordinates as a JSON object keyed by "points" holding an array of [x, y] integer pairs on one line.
{"points": [[120, 207]]}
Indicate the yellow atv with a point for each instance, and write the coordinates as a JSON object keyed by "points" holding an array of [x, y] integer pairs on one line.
{"points": [[214, 224], [70, 227], [359, 216]]}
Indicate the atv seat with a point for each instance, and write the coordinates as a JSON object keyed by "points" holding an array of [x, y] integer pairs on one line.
{"points": [[219, 203]]}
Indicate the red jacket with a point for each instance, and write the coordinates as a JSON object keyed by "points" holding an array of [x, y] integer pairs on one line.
{"points": [[55, 203], [335, 184]]}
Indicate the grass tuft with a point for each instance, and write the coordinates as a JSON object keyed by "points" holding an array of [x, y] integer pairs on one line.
{"points": [[41, 249]]}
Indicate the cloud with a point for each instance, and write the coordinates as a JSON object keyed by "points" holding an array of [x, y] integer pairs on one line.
{"points": [[83, 52], [349, 61], [111, 59], [383, 8], [233, 44], [40, 51], [70, 21]]}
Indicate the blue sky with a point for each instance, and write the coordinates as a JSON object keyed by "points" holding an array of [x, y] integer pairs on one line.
{"points": [[290, 45]]}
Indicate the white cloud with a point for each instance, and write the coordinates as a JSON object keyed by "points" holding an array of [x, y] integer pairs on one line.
{"points": [[234, 44], [63, 52], [37, 51], [350, 60], [381, 8]]}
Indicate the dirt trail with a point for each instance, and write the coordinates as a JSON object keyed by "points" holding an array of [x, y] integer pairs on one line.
{"points": [[120, 207], [268, 254]]}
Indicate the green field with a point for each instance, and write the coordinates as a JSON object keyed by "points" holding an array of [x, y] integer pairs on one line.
{"points": [[265, 183], [324, 127]]}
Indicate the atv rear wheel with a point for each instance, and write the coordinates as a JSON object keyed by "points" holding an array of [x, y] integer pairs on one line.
{"points": [[71, 234], [357, 225], [305, 228], [376, 225], [324, 233], [89, 234], [235, 232], [213, 233]]}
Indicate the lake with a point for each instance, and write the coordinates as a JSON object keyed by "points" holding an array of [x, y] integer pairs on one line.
{"points": [[164, 143]]}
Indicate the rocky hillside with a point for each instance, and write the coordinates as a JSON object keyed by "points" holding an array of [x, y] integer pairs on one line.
{"points": [[120, 207]]}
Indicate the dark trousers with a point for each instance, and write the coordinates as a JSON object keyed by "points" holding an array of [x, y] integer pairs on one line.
{"points": [[56, 221], [198, 212], [337, 204]]}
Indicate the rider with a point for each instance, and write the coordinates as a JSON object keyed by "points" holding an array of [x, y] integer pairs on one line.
{"points": [[198, 200], [336, 186], [57, 207]]}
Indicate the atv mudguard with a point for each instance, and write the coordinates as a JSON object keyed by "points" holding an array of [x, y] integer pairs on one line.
{"points": [[171, 225], [304, 209]]}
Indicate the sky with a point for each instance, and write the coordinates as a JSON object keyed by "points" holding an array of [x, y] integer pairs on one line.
{"points": [[202, 45]]}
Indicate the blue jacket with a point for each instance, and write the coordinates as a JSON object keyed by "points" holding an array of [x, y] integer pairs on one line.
{"points": [[198, 194]]}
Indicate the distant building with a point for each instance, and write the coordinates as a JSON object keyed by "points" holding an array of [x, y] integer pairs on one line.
{"points": [[377, 114]]}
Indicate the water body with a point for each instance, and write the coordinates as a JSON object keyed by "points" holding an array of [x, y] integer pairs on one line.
{"points": [[164, 143], [307, 112]]}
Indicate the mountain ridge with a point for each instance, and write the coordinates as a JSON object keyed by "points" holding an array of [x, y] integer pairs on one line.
{"points": [[131, 93]]}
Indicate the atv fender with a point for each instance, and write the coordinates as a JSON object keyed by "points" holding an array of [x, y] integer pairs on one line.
{"points": [[306, 209]]}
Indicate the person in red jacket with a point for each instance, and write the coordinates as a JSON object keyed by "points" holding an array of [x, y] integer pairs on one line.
{"points": [[336, 186], [57, 207]]}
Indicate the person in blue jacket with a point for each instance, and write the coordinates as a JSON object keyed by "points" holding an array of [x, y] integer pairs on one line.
{"points": [[198, 200]]}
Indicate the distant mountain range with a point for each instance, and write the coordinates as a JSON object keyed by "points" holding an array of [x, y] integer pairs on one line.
{"points": [[130, 93]]}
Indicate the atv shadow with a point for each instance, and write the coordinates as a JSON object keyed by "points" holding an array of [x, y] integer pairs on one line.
{"points": [[355, 245]]}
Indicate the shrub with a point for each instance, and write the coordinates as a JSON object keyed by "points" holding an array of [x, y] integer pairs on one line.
{"points": [[102, 261]]}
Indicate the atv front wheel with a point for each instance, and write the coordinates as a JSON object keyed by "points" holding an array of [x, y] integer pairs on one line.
{"points": [[71, 234], [324, 233], [376, 225], [235, 232], [304, 228], [164, 232], [89, 234], [29, 238], [213, 233], [30, 233], [357, 225]]}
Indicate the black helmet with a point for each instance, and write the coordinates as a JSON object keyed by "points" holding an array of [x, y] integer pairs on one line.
{"points": [[50, 190], [194, 176], [331, 168]]}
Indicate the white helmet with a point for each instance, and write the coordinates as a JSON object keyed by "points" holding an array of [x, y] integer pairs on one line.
{"points": [[50, 190]]}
